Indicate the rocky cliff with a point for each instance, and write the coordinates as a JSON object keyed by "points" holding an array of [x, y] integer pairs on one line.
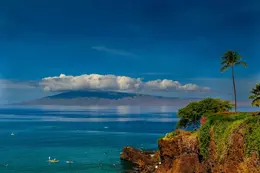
{"points": [[224, 144]]}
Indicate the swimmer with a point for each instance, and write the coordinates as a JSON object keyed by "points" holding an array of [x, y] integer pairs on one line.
{"points": [[69, 161]]}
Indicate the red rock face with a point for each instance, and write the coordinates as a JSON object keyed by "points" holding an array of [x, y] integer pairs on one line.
{"points": [[176, 150], [180, 154], [144, 161], [186, 163]]}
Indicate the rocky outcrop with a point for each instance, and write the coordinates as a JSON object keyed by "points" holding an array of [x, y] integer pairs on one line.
{"points": [[178, 151], [143, 161], [180, 154], [173, 156]]}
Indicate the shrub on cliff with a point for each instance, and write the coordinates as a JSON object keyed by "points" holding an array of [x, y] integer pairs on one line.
{"points": [[221, 128], [192, 113]]}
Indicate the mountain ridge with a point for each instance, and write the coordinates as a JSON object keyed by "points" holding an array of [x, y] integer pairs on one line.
{"points": [[92, 97]]}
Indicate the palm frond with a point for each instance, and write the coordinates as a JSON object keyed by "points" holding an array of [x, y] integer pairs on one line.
{"points": [[230, 58], [255, 96], [252, 97], [241, 63], [224, 62], [224, 68], [256, 103]]}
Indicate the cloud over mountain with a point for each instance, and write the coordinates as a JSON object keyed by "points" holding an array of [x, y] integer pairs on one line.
{"points": [[115, 83]]}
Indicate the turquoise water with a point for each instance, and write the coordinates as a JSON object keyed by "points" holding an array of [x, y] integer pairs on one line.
{"points": [[92, 137]]}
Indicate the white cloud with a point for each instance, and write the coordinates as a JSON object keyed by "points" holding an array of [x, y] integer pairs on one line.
{"points": [[115, 83], [113, 51]]}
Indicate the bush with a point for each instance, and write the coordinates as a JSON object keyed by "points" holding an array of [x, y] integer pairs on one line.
{"points": [[192, 113]]}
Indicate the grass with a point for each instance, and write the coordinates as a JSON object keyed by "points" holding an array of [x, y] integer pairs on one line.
{"points": [[222, 133], [170, 135], [223, 125], [204, 138], [252, 136]]}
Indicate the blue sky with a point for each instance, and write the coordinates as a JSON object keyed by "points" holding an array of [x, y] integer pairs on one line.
{"points": [[167, 39]]}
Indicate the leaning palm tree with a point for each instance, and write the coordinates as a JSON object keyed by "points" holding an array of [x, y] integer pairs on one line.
{"points": [[230, 59], [255, 96]]}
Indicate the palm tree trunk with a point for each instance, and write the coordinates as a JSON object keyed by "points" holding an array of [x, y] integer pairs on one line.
{"points": [[234, 87]]}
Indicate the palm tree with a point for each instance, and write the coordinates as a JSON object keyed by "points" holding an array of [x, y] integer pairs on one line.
{"points": [[255, 96], [230, 59]]}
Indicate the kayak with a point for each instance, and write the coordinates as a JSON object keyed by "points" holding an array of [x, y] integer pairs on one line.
{"points": [[53, 161]]}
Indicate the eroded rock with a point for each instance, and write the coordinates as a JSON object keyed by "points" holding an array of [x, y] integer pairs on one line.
{"points": [[180, 154], [144, 161]]}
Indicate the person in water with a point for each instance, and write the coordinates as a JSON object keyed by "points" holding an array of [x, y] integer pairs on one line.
{"points": [[69, 161]]}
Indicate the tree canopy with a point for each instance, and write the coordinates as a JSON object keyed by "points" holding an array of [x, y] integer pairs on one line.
{"points": [[191, 114], [231, 58]]}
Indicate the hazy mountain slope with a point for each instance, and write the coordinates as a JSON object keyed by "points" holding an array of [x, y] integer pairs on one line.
{"points": [[105, 98]]}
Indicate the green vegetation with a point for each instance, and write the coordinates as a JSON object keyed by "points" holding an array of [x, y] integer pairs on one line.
{"points": [[177, 133], [171, 134], [255, 96], [204, 138], [230, 59], [222, 132], [221, 127], [192, 113], [252, 135]]}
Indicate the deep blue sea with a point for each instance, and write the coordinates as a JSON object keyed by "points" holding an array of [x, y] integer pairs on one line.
{"points": [[92, 137]]}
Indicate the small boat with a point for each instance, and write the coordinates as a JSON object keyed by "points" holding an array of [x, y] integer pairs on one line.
{"points": [[53, 161]]}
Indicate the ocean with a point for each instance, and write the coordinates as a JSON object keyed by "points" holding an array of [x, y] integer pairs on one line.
{"points": [[92, 137]]}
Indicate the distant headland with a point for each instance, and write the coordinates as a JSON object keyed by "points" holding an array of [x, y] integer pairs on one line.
{"points": [[108, 98]]}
